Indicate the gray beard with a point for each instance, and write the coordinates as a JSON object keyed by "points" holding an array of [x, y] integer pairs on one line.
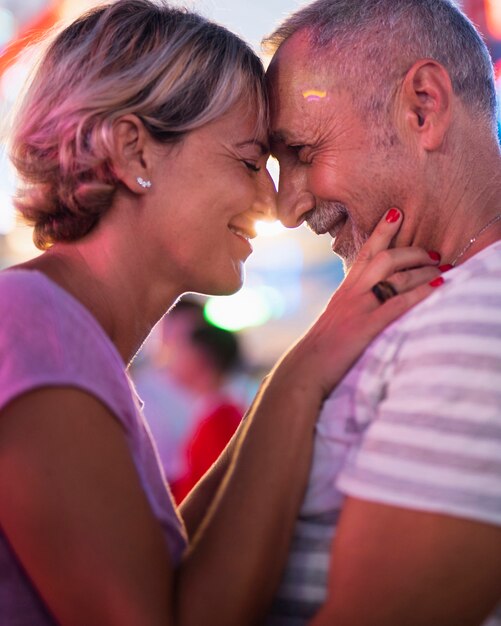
{"points": [[320, 219]]}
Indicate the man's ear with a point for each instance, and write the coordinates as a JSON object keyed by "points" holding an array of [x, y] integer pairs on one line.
{"points": [[427, 99], [132, 154]]}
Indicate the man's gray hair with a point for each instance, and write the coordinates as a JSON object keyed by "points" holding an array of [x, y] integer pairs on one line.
{"points": [[375, 42]]}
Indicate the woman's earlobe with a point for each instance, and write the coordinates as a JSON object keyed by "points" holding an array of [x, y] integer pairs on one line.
{"points": [[145, 184], [130, 160]]}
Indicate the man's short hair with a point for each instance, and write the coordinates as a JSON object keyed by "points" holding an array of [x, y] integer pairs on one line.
{"points": [[375, 43]]}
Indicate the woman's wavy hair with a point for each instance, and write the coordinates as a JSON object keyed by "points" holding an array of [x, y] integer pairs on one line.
{"points": [[172, 68]]}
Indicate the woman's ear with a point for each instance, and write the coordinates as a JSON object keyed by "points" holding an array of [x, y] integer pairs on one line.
{"points": [[426, 102], [131, 159]]}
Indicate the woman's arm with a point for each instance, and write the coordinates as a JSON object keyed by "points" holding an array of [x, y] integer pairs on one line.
{"points": [[75, 514], [195, 506], [73, 509]]}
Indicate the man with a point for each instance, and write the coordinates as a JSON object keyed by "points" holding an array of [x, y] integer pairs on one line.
{"points": [[378, 104]]}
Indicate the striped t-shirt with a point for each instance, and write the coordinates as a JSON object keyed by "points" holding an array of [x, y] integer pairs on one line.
{"points": [[416, 423]]}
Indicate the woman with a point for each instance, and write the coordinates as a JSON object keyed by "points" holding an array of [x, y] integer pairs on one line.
{"points": [[141, 143]]}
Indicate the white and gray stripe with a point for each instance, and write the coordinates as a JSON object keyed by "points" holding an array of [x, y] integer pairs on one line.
{"points": [[416, 423]]}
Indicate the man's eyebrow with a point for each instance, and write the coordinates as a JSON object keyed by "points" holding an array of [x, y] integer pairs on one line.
{"points": [[277, 136], [255, 142]]}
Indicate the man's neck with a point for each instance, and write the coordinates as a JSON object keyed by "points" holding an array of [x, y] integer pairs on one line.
{"points": [[460, 216]]}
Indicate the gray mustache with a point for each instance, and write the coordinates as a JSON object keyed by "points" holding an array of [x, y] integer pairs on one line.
{"points": [[320, 219]]}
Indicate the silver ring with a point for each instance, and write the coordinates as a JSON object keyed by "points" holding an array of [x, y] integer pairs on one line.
{"points": [[384, 290]]}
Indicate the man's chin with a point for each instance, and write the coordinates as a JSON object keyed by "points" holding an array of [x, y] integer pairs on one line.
{"points": [[347, 252], [345, 258]]}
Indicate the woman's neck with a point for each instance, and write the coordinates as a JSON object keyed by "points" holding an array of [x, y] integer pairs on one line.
{"points": [[123, 302]]}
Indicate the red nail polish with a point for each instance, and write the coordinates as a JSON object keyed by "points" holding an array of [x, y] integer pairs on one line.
{"points": [[446, 267], [434, 256], [392, 216], [436, 282]]}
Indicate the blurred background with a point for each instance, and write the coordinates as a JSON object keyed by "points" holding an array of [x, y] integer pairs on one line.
{"points": [[290, 276]]}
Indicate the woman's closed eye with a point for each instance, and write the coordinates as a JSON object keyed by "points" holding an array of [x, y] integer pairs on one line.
{"points": [[252, 166]]}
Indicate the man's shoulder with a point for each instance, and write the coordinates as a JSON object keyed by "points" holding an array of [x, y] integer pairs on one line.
{"points": [[470, 295], [462, 317]]}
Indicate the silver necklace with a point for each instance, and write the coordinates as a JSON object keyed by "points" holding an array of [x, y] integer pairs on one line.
{"points": [[473, 239]]}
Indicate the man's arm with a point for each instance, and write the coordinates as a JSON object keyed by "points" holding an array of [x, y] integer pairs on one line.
{"points": [[419, 540], [392, 567]]}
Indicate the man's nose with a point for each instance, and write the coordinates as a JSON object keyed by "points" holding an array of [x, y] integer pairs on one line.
{"points": [[294, 200]]}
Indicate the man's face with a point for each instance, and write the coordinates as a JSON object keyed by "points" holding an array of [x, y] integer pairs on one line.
{"points": [[335, 173]]}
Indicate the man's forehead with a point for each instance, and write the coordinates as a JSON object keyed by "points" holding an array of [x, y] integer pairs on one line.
{"points": [[292, 60], [295, 78], [300, 91]]}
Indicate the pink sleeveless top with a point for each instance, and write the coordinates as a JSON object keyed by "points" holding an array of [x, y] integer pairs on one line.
{"points": [[48, 338]]}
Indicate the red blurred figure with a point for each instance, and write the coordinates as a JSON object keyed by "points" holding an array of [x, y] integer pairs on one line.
{"points": [[204, 357]]}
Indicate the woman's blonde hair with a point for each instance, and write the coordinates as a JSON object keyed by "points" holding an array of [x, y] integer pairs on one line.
{"points": [[172, 68]]}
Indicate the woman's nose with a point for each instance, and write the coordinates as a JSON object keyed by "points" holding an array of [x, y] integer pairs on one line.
{"points": [[266, 200], [293, 198]]}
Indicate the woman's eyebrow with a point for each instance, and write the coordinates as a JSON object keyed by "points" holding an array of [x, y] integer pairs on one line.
{"points": [[255, 142]]}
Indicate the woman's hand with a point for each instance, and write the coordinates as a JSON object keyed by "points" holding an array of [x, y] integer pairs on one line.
{"points": [[354, 314]]}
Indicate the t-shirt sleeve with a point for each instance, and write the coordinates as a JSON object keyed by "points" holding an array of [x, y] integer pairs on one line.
{"points": [[47, 339], [435, 443]]}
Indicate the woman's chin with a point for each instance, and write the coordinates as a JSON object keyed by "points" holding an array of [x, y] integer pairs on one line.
{"points": [[223, 286], [230, 289], [233, 280]]}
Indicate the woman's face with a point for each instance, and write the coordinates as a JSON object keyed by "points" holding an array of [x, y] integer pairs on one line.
{"points": [[208, 192]]}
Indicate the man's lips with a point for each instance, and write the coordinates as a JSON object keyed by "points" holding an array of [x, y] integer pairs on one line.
{"points": [[336, 227], [331, 226]]}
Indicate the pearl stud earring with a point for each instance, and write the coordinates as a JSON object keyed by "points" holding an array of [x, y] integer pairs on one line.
{"points": [[145, 184]]}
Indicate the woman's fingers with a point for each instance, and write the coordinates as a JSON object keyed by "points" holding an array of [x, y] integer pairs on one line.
{"points": [[378, 241], [376, 260], [382, 285], [352, 319], [389, 262], [403, 281], [400, 304]]}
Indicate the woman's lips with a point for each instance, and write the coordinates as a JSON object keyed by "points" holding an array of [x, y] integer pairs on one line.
{"points": [[242, 235]]}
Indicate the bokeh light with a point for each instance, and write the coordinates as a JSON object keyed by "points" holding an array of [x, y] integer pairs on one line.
{"points": [[493, 17], [7, 215], [13, 79], [251, 306], [7, 26], [269, 229], [274, 169]]}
